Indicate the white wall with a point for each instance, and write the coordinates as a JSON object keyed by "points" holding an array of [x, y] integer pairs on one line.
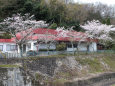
{"points": [[83, 47], [39, 46], [93, 47], [71, 49]]}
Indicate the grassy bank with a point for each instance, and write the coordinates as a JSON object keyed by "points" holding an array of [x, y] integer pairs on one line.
{"points": [[94, 63], [8, 66], [90, 64], [98, 62]]}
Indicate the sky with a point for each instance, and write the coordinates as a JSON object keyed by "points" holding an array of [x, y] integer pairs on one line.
{"points": [[108, 2]]}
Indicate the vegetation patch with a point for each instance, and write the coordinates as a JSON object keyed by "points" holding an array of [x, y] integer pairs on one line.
{"points": [[59, 82], [38, 76], [110, 60], [94, 64], [9, 66], [61, 47], [50, 56]]}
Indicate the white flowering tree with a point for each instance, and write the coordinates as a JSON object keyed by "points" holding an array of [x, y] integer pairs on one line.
{"points": [[70, 34], [97, 30], [21, 28], [47, 38]]}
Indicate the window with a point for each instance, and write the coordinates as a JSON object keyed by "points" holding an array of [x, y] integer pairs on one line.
{"points": [[69, 46], [1, 47], [75, 45], [11, 47]]}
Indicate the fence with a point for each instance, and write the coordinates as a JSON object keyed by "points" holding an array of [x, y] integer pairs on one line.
{"points": [[10, 55], [45, 53], [40, 53]]}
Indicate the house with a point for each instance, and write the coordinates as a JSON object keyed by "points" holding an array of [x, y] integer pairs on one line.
{"points": [[35, 42]]}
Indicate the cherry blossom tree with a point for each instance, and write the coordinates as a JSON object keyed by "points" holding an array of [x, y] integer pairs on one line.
{"points": [[47, 38], [71, 35], [21, 28], [74, 38], [96, 30]]}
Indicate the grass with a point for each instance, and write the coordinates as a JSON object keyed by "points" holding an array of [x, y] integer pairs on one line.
{"points": [[94, 61], [113, 85], [8, 66], [66, 74], [110, 60], [38, 76], [94, 64], [58, 82], [64, 55], [50, 56]]}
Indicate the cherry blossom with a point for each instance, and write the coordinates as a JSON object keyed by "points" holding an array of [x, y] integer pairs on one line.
{"points": [[24, 25], [97, 30]]}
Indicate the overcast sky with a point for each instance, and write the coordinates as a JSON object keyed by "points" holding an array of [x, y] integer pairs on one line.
{"points": [[109, 2]]}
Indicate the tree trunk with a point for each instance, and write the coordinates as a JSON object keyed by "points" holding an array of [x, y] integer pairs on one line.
{"points": [[77, 49], [48, 46], [87, 48], [73, 48], [21, 51]]}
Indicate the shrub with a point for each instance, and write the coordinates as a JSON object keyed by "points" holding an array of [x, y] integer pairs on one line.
{"points": [[61, 47], [113, 48], [53, 26]]}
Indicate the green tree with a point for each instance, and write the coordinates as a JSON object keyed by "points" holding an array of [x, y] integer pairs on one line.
{"points": [[53, 26], [106, 21], [57, 11], [41, 11]]}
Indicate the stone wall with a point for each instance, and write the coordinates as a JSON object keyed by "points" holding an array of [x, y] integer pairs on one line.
{"points": [[43, 65], [10, 60]]}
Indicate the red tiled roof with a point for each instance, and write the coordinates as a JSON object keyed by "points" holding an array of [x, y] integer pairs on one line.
{"points": [[44, 31], [39, 33], [54, 32], [6, 41]]}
